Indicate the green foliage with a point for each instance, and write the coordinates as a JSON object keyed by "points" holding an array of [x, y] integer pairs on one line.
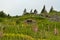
{"points": [[24, 12], [17, 25], [51, 9], [1, 20], [17, 21], [31, 11], [2, 14], [44, 10], [35, 11]]}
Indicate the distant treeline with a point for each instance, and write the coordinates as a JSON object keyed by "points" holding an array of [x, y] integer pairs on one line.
{"points": [[2, 14], [35, 11]]}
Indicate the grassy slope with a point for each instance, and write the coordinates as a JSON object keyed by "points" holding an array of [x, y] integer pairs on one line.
{"points": [[18, 26]]}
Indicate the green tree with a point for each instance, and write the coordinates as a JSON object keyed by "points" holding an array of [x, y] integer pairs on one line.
{"points": [[8, 15], [35, 11], [2, 14], [31, 11], [24, 12], [44, 10], [51, 9]]}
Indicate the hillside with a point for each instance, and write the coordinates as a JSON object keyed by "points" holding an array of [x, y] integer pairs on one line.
{"points": [[29, 27]]}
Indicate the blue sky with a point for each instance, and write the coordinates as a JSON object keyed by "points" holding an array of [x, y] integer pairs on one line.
{"points": [[16, 7]]}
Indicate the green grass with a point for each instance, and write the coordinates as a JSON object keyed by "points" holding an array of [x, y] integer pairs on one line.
{"points": [[18, 26]]}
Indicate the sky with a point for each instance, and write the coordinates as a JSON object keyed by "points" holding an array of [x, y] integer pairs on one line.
{"points": [[16, 7]]}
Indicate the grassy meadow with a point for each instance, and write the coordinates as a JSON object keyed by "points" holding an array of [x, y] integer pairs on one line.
{"points": [[30, 26]]}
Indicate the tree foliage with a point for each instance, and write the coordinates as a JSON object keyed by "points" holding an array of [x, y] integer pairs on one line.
{"points": [[51, 9], [31, 11], [8, 15], [35, 11], [44, 10], [2, 14], [24, 12]]}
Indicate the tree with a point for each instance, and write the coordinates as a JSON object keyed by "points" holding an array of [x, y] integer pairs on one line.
{"points": [[24, 12], [44, 10], [2, 14], [31, 11], [8, 15], [51, 9], [35, 11]]}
